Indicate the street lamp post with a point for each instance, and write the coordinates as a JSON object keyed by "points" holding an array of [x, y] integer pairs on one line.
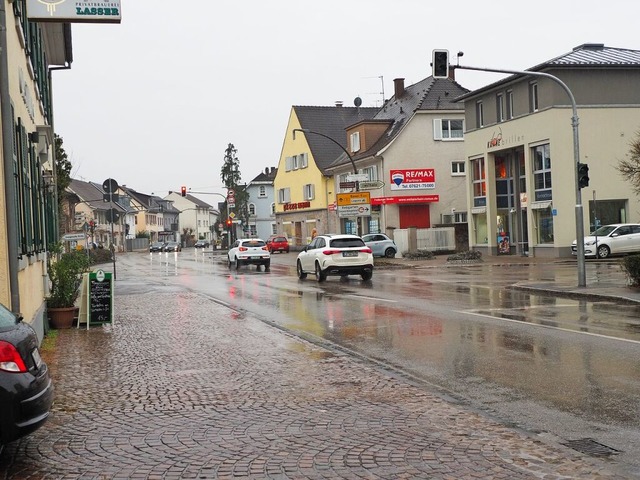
{"points": [[582, 282], [353, 164]]}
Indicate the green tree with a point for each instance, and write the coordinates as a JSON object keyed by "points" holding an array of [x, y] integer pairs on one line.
{"points": [[63, 168], [231, 177], [629, 167]]}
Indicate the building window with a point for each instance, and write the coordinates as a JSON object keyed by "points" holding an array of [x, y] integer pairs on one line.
{"points": [[273, 209], [542, 173], [274, 229], [457, 169], [543, 219], [252, 209], [479, 114], [253, 231], [533, 96], [479, 183], [460, 217], [371, 172], [263, 191], [284, 195], [500, 107], [448, 129], [355, 141], [303, 160], [308, 191], [509, 104]]}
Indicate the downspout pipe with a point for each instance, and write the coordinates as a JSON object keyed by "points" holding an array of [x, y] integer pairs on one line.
{"points": [[6, 119]]}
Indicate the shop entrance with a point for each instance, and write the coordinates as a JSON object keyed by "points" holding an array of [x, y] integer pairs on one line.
{"points": [[511, 203]]}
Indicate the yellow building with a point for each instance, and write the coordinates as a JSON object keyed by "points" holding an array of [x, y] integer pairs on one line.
{"points": [[305, 194], [28, 207]]}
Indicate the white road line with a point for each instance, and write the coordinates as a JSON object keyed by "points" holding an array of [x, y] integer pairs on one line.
{"points": [[369, 299], [567, 330]]}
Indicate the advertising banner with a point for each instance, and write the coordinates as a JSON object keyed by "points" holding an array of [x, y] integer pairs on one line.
{"points": [[74, 11], [414, 179]]}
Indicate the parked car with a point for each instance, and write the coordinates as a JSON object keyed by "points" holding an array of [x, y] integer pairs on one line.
{"points": [[341, 254], [614, 239], [278, 243], [249, 251], [156, 247], [26, 389], [172, 247], [380, 245], [202, 244]]}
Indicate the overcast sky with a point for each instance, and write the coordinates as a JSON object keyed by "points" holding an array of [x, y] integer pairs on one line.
{"points": [[154, 101]]}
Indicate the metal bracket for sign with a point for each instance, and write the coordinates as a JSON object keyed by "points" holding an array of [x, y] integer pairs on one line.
{"points": [[97, 304]]}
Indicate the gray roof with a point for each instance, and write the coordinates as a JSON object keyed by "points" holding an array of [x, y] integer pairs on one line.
{"points": [[426, 95], [332, 122], [266, 177], [91, 194], [587, 55]]}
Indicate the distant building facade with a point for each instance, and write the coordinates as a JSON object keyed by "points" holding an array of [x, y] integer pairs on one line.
{"points": [[262, 207]]}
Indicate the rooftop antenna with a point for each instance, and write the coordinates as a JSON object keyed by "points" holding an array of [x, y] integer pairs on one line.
{"points": [[382, 86]]}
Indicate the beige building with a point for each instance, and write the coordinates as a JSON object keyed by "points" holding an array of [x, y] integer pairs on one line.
{"points": [[521, 173], [28, 206]]}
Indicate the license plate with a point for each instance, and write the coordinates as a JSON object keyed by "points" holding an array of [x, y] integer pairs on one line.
{"points": [[349, 254], [256, 258], [35, 354]]}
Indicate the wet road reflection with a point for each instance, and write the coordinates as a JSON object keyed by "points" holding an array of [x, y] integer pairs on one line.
{"points": [[462, 329]]}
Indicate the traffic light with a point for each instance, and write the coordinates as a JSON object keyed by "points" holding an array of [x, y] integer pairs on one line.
{"points": [[440, 64], [183, 191], [583, 175], [229, 222]]}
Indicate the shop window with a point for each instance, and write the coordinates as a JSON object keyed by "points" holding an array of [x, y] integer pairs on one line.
{"points": [[544, 225], [479, 183], [542, 173], [481, 230]]}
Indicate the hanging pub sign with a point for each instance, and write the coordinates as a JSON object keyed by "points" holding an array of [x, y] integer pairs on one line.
{"points": [[74, 11]]}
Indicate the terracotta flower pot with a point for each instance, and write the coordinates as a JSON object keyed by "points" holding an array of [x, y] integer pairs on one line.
{"points": [[61, 317]]}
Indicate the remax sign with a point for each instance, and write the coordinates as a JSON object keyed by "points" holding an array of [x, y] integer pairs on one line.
{"points": [[414, 179]]}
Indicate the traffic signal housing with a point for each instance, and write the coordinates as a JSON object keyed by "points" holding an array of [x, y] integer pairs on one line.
{"points": [[183, 191], [440, 63], [583, 175]]}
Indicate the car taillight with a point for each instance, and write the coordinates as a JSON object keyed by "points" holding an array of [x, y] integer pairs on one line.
{"points": [[265, 248], [331, 252], [366, 250], [243, 249], [10, 359]]}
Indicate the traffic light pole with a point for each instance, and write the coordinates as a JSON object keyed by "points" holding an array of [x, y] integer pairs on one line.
{"points": [[582, 282]]}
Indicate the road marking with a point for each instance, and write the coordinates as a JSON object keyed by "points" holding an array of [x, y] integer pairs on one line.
{"points": [[567, 330], [365, 297]]}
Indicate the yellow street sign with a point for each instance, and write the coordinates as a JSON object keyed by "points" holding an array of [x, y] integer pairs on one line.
{"points": [[354, 198]]}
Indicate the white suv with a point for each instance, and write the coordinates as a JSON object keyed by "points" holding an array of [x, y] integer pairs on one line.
{"points": [[615, 239], [340, 254], [249, 251]]}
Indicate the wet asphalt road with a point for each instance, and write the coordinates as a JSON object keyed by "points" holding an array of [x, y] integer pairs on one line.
{"points": [[182, 386]]}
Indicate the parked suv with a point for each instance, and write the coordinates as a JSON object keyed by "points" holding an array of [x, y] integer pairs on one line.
{"points": [[340, 254], [614, 239], [278, 243]]}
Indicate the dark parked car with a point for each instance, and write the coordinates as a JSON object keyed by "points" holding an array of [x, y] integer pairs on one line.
{"points": [[278, 243], [156, 247], [172, 247], [26, 390], [202, 244]]}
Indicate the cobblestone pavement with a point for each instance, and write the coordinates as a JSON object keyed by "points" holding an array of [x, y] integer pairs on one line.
{"points": [[182, 387]]}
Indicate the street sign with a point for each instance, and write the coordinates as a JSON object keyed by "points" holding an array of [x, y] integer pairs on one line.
{"points": [[355, 198], [357, 177], [73, 237], [109, 185], [347, 184], [354, 210], [370, 185]]}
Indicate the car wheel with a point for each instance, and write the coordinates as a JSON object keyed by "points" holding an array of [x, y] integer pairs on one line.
{"points": [[229, 262], [603, 251], [320, 275], [301, 273], [366, 275], [237, 263], [390, 253]]}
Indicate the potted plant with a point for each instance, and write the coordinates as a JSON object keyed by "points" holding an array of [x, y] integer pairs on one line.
{"points": [[65, 276]]}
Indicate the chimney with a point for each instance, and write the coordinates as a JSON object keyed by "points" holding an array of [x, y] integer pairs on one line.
{"points": [[339, 103], [398, 85], [266, 171]]}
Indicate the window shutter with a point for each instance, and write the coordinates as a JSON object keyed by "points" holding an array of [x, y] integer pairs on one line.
{"points": [[304, 163], [437, 129], [287, 195], [287, 164], [312, 192]]}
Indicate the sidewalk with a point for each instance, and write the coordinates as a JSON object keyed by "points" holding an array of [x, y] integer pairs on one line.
{"points": [[605, 279]]}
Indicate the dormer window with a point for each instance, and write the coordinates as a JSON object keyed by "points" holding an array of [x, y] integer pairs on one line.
{"points": [[355, 141]]}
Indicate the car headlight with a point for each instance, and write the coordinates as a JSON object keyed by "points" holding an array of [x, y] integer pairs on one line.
{"points": [[590, 242]]}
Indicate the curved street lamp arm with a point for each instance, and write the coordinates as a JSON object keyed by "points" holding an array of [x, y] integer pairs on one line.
{"points": [[306, 130]]}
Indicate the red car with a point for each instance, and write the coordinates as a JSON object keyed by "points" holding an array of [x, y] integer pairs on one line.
{"points": [[278, 243]]}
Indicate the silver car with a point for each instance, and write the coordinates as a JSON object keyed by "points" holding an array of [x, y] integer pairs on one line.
{"points": [[380, 245]]}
